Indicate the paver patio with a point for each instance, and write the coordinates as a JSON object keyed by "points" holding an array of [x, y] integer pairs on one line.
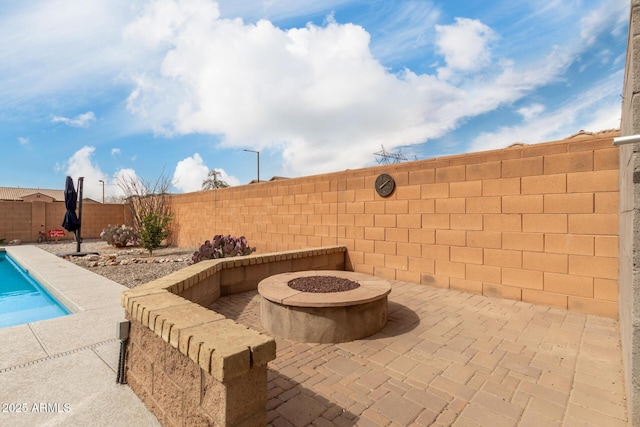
{"points": [[449, 358]]}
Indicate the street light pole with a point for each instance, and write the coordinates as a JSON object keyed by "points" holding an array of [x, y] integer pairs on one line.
{"points": [[102, 181], [258, 153]]}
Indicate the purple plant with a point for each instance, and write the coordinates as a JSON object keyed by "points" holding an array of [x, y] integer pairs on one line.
{"points": [[222, 247]]}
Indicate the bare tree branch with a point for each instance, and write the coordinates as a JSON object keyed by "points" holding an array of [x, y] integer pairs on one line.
{"points": [[146, 198]]}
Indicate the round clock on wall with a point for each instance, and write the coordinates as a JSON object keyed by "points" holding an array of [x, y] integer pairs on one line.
{"points": [[385, 185]]}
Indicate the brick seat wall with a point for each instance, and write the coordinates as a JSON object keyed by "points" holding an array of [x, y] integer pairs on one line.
{"points": [[191, 365]]}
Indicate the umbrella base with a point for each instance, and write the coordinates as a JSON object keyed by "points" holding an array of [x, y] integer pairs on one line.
{"points": [[77, 254]]}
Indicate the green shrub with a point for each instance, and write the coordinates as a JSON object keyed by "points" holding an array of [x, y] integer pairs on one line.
{"points": [[154, 229]]}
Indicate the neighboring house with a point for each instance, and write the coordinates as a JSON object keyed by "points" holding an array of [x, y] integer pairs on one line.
{"points": [[275, 178], [31, 194], [17, 194]]}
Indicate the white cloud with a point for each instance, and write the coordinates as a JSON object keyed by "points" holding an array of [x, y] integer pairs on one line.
{"points": [[115, 152], [253, 10], [229, 179], [83, 120], [23, 140], [609, 15], [593, 110], [605, 116], [317, 94], [310, 92], [531, 111], [189, 174], [81, 164], [464, 45], [126, 174], [77, 42], [124, 177], [403, 28]]}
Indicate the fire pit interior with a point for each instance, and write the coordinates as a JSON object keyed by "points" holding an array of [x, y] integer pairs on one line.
{"points": [[323, 306], [322, 284]]}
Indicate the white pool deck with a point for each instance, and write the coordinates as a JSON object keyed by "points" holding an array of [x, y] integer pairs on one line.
{"points": [[62, 371]]}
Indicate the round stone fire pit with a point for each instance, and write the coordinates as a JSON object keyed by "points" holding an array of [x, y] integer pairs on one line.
{"points": [[313, 315]]}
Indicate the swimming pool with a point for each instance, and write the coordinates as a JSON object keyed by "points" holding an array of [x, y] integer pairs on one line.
{"points": [[23, 299]]}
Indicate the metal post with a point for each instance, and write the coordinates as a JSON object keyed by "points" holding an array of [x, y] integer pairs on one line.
{"points": [[102, 181], [78, 236], [258, 153]]}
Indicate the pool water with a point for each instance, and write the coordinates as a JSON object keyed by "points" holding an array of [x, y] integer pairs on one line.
{"points": [[22, 298]]}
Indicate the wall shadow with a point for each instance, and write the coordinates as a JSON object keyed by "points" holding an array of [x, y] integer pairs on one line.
{"points": [[291, 401], [400, 320], [291, 398]]}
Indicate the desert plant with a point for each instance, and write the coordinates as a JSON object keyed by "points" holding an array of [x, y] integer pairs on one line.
{"points": [[147, 198], [222, 247], [119, 235], [150, 206], [154, 229]]}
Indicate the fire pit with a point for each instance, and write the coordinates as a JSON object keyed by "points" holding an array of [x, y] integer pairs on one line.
{"points": [[323, 306]]}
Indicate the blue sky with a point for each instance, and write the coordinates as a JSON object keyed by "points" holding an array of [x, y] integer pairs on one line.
{"points": [[111, 88]]}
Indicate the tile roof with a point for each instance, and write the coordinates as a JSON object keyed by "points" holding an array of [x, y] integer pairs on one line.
{"points": [[17, 193]]}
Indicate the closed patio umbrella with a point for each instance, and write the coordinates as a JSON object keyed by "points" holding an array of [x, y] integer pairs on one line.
{"points": [[71, 222]]}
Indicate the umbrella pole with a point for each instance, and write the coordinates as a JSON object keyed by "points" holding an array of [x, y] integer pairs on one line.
{"points": [[78, 238]]}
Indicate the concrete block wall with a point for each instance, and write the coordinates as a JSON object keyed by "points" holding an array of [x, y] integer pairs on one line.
{"points": [[96, 216], [15, 221], [536, 223], [23, 220]]}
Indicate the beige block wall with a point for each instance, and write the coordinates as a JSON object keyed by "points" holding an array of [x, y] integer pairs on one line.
{"points": [[15, 221], [96, 216], [22, 220], [536, 223]]}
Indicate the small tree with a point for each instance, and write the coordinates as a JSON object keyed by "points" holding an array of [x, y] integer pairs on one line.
{"points": [[214, 181], [155, 228], [150, 207]]}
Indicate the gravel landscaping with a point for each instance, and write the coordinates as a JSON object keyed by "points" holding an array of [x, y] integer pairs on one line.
{"points": [[129, 266]]}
